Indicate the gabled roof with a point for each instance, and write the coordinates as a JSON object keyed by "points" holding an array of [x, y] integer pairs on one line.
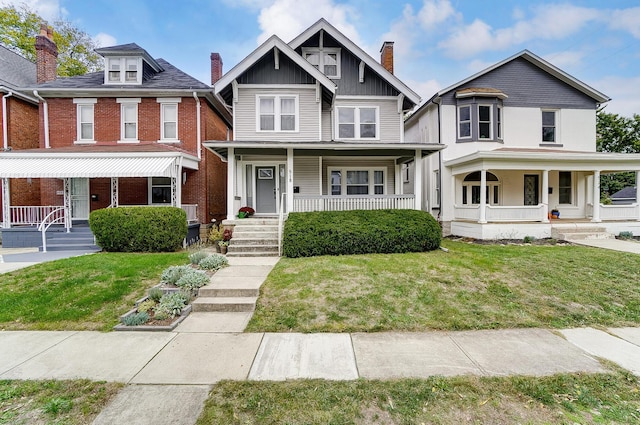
{"points": [[16, 72], [545, 66], [322, 24], [271, 43], [131, 49]]}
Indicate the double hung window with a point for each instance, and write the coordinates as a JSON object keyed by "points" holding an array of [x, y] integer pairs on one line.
{"points": [[327, 60], [357, 182], [357, 122], [277, 113]]}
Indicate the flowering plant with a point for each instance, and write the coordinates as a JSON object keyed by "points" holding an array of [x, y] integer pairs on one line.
{"points": [[246, 211], [226, 236]]}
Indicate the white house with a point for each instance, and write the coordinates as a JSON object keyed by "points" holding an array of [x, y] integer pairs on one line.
{"points": [[523, 132]]}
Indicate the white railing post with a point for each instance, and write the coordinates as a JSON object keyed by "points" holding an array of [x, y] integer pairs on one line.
{"points": [[280, 223], [596, 197], [6, 204]]}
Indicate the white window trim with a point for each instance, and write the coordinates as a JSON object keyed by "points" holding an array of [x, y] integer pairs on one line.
{"points": [[436, 188], [127, 102], [150, 191], [80, 103], [163, 102], [343, 181], [460, 122], [122, 60], [357, 122], [321, 52], [490, 121], [405, 172], [556, 126], [571, 186], [500, 122], [277, 113]]}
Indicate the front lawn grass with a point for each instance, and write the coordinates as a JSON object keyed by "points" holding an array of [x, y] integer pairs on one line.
{"points": [[470, 287], [567, 399], [53, 402], [80, 293]]}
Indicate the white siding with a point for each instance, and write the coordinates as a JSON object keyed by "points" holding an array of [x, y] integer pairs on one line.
{"points": [[390, 127], [326, 126], [306, 171], [245, 115]]}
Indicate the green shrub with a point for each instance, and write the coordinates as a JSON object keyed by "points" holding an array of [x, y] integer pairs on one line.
{"points": [[136, 319], [214, 262], [146, 306], [172, 304], [196, 257], [160, 315], [529, 239], [139, 229], [155, 294], [625, 235], [360, 232], [172, 274], [193, 279]]}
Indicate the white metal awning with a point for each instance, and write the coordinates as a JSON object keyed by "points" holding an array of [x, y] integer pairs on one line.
{"points": [[17, 165]]}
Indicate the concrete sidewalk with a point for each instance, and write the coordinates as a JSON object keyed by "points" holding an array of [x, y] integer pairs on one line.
{"points": [[612, 244], [18, 258]]}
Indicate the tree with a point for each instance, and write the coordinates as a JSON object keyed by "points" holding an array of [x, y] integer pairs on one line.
{"points": [[615, 133], [76, 56]]}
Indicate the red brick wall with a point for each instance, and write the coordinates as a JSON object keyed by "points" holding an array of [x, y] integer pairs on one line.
{"points": [[215, 129]]}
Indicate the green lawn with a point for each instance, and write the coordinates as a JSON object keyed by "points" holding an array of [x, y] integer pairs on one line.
{"points": [[561, 399], [470, 287], [53, 402], [81, 293]]}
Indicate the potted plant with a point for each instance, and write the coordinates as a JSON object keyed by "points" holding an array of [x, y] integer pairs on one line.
{"points": [[245, 212], [224, 243], [555, 213], [215, 235]]}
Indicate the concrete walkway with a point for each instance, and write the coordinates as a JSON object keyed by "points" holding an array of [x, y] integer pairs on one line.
{"points": [[18, 258], [613, 244]]}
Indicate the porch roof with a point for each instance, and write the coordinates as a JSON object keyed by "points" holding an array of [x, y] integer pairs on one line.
{"points": [[221, 148], [544, 159], [95, 162]]}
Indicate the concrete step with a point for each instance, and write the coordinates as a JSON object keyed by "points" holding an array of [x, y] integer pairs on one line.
{"points": [[584, 235], [252, 222], [255, 234], [252, 248], [252, 254], [235, 304], [579, 228], [71, 247], [243, 229], [253, 241], [227, 292]]}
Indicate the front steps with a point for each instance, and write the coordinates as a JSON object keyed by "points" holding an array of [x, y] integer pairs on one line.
{"points": [[579, 231], [232, 289], [254, 237], [80, 238]]}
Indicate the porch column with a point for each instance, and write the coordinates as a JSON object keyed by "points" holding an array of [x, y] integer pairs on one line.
{"points": [[545, 196], [231, 183], [6, 203], [417, 187], [399, 181], [596, 197], [638, 192], [289, 181], [483, 196], [114, 192], [66, 184]]}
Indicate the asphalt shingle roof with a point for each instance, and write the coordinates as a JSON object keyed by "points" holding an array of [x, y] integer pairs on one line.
{"points": [[16, 71]]}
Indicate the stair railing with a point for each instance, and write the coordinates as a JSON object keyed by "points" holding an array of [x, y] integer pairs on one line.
{"points": [[52, 218], [280, 223]]}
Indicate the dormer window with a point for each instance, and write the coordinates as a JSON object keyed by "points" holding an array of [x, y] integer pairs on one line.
{"points": [[124, 70], [326, 59]]}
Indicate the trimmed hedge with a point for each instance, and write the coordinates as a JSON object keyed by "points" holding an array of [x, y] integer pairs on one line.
{"points": [[360, 232], [139, 229]]}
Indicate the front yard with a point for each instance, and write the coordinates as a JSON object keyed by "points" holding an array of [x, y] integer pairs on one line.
{"points": [[470, 287]]}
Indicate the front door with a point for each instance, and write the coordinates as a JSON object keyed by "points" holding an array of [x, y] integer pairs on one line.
{"points": [[266, 196], [79, 199], [531, 189]]}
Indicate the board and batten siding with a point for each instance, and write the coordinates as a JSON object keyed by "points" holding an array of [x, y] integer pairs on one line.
{"points": [[245, 115], [391, 125], [306, 171], [355, 163]]}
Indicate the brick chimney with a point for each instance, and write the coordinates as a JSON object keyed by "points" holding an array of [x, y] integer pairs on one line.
{"points": [[46, 55], [386, 55], [216, 67]]}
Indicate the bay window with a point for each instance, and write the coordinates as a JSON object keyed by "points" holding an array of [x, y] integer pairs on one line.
{"points": [[484, 122], [464, 122]]}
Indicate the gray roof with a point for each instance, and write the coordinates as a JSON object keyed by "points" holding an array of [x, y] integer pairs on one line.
{"points": [[170, 79], [628, 192], [123, 48], [15, 71]]}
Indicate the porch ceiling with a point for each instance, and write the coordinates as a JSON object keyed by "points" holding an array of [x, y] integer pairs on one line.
{"points": [[544, 159], [221, 148]]}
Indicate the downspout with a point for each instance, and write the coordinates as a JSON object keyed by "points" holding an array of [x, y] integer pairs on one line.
{"points": [[199, 137], [46, 119], [5, 124]]}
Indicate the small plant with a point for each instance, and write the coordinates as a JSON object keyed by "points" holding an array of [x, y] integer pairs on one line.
{"points": [[146, 306], [214, 262], [215, 234], [192, 280], [171, 274], [196, 257], [155, 294], [58, 405], [160, 315], [529, 239], [223, 243], [245, 212], [136, 319], [625, 235], [227, 235], [172, 304]]}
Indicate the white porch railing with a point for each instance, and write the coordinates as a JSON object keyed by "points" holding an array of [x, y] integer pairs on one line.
{"points": [[34, 215], [620, 212], [467, 213], [52, 218], [496, 213], [349, 203]]}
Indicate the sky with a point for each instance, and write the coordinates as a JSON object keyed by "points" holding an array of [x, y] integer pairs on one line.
{"points": [[437, 42]]}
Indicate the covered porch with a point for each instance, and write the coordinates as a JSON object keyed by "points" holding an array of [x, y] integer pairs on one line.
{"points": [[527, 191], [277, 178]]}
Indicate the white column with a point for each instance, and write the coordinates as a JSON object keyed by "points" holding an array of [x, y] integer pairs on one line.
{"points": [[289, 206], [638, 192], [483, 196], [417, 187], [545, 196], [399, 181], [66, 184], [231, 183], [596, 197], [6, 203], [114, 192]]}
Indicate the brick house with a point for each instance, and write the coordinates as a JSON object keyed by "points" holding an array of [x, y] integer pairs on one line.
{"points": [[128, 135]]}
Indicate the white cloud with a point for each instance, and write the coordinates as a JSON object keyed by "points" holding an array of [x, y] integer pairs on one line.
{"points": [[566, 59], [104, 40], [287, 19], [49, 10], [435, 12], [624, 93], [626, 20], [425, 89], [478, 65], [469, 40]]}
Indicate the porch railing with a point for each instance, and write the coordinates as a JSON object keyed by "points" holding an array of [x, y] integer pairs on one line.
{"points": [[467, 212], [620, 212], [34, 215], [344, 203], [496, 213]]}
